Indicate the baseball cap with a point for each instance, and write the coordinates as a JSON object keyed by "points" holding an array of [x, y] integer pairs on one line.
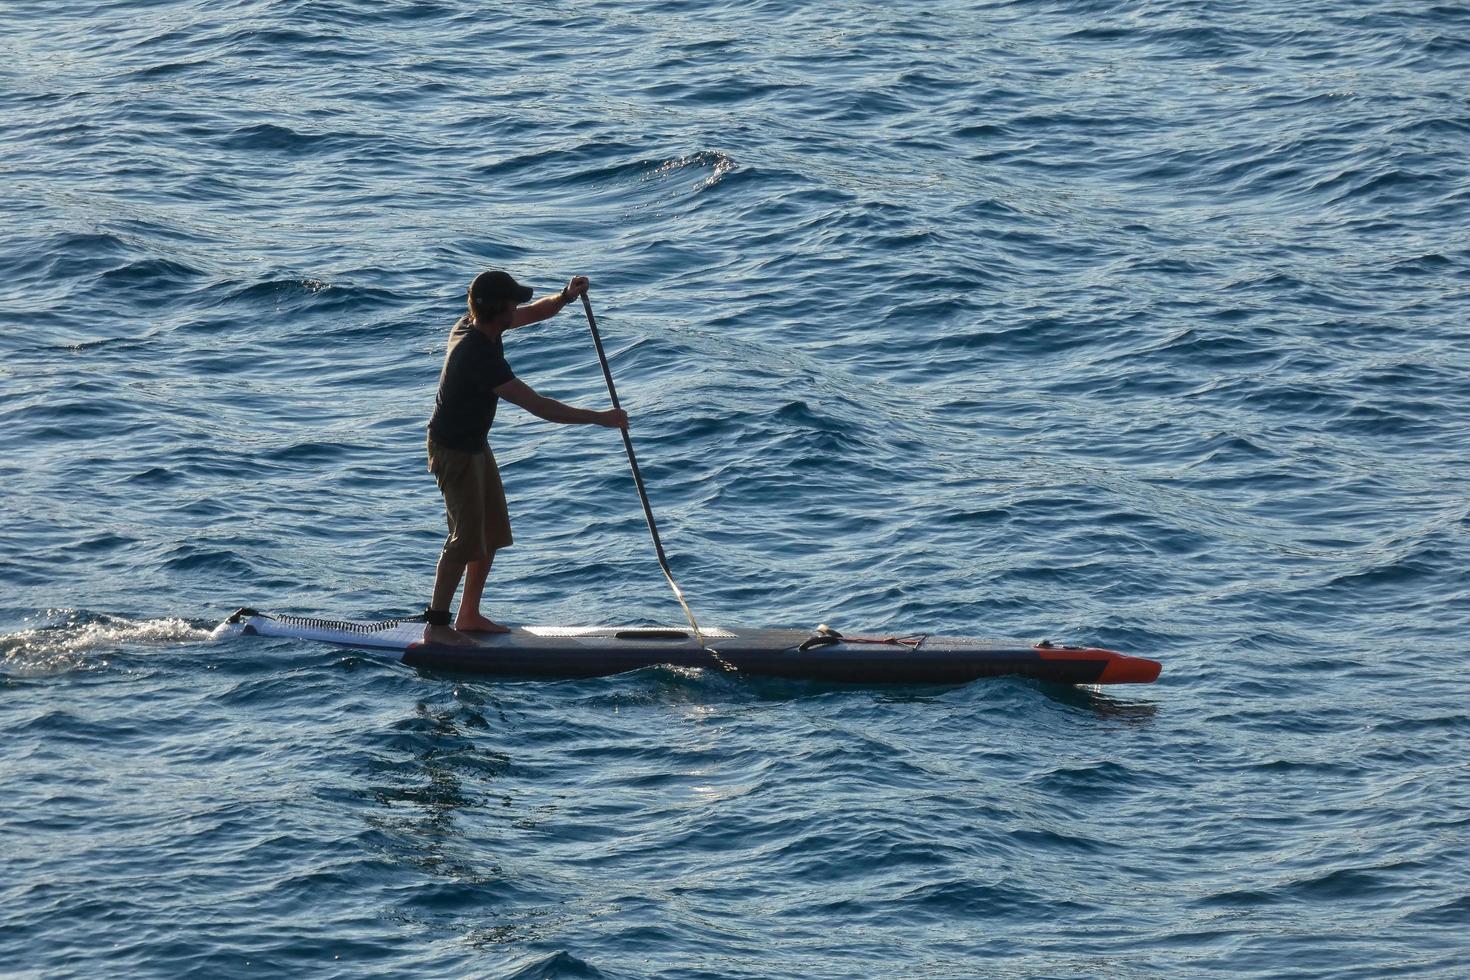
{"points": [[492, 289]]}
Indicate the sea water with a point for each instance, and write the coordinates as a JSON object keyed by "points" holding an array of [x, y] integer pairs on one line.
{"points": [[1137, 324]]}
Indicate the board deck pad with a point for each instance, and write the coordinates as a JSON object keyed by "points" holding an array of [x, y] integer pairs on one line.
{"points": [[591, 651]]}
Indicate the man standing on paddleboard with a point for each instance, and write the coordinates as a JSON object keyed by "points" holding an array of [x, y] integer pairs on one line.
{"points": [[474, 379]]}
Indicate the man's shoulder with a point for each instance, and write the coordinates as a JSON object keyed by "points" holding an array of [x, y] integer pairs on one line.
{"points": [[464, 337], [462, 330], [466, 342]]}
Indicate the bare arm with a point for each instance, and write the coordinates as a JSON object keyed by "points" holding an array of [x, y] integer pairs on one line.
{"points": [[548, 306], [517, 392], [543, 309]]}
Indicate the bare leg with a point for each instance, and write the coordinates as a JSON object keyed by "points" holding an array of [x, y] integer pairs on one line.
{"points": [[474, 584], [446, 581], [469, 607]]}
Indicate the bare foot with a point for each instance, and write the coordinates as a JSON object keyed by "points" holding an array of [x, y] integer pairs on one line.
{"points": [[443, 636], [478, 624]]}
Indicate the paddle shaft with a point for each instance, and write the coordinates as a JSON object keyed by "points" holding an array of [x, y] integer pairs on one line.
{"points": [[658, 546]]}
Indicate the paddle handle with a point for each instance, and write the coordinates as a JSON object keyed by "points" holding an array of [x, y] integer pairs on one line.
{"points": [[658, 546]]}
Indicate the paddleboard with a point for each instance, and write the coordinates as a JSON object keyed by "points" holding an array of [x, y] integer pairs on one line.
{"points": [[821, 654]]}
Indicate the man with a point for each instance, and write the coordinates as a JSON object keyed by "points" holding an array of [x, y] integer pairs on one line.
{"points": [[474, 379]]}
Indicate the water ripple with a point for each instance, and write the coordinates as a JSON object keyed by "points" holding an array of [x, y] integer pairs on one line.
{"points": [[1136, 324]]}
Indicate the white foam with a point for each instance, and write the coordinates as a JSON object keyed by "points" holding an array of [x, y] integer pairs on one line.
{"points": [[72, 646]]}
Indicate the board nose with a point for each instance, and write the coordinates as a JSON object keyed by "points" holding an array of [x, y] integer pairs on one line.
{"points": [[1123, 669]]}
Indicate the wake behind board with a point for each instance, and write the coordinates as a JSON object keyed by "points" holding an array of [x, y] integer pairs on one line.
{"points": [[575, 651]]}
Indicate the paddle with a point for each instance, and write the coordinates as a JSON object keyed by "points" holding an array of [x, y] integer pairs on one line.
{"points": [[663, 561]]}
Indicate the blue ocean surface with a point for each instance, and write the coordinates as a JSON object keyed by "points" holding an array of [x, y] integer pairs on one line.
{"points": [[1136, 324]]}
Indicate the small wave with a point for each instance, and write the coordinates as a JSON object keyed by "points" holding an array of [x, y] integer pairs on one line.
{"points": [[978, 131], [1446, 913], [1338, 884], [1429, 263], [194, 559], [718, 164], [311, 452], [558, 965], [1436, 126], [168, 70], [723, 92], [1360, 184], [289, 293], [149, 277], [980, 899], [276, 289], [69, 256], [271, 137], [82, 641], [1100, 34], [157, 476], [1404, 567], [1087, 780]]}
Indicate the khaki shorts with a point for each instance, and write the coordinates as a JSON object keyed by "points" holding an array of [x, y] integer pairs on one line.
{"points": [[474, 502]]}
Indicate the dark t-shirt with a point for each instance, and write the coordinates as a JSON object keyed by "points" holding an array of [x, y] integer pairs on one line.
{"points": [[474, 366]]}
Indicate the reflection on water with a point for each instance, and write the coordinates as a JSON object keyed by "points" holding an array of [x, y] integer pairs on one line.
{"points": [[1102, 702], [442, 776]]}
